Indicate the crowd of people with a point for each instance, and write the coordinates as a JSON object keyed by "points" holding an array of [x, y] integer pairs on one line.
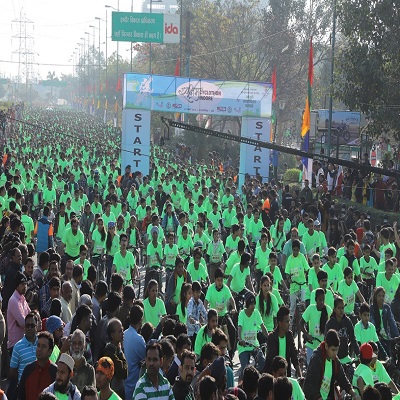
{"points": [[118, 285]]}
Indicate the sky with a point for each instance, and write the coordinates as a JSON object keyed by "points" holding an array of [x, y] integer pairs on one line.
{"points": [[57, 26]]}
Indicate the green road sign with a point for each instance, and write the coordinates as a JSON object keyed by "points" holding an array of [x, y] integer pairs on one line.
{"points": [[137, 27]]}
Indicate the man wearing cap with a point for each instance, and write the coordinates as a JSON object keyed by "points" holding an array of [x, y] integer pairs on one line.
{"points": [[17, 310], [83, 372], [104, 375], [41, 372], [54, 325], [182, 388], [363, 374], [62, 388]]}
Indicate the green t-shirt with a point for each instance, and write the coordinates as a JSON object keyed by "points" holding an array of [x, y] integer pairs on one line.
{"points": [[85, 265], [113, 396], [216, 251], [312, 281], [255, 230], [335, 275], [379, 373], [365, 372], [369, 266], [200, 274], [250, 327], [152, 252], [219, 299], [348, 294], [311, 242], [296, 267], [365, 334], [326, 380], [387, 246], [201, 339], [140, 213], [28, 224], [282, 346], [124, 265], [114, 246], [182, 315], [61, 396], [268, 319], [231, 244], [227, 217], [262, 258], [238, 281], [389, 285], [344, 262], [313, 317], [185, 246], [170, 254], [98, 245], [329, 298], [153, 314], [277, 275], [108, 218], [214, 218], [297, 391], [73, 242], [178, 288]]}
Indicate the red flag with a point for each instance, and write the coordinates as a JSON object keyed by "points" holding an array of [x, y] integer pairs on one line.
{"points": [[119, 85], [307, 111], [273, 80], [178, 67]]}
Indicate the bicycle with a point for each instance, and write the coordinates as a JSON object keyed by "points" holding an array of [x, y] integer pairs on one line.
{"points": [[259, 353]]}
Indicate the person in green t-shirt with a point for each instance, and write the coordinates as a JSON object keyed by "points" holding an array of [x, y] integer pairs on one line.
{"points": [[154, 257], [388, 280], [364, 330], [204, 335], [104, 376], [239, 277], [249, 324], [333, 269], [124, 262], [266, 303], [197, 268], [348, 289], [316, 316], [296, 268], [154, 307], [363, 374], [215, 254], [279, 370], [379, 372]]}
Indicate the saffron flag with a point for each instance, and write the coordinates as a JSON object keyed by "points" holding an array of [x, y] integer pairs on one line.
{"points": [[119, 85], [273, 80], [306, 124], [307, 111]]}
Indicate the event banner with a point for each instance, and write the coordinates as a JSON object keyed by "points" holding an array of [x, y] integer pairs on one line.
{"points": [[255, 160], [197, 96], [136, 140]]}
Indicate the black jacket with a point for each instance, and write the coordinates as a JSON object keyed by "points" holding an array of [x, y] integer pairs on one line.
{"points": [[315, 374], [345, 330], [182, 390], [273, 351]]}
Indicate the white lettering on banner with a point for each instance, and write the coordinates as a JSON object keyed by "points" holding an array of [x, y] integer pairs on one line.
{"points": [[136, 140], [255, 159]]}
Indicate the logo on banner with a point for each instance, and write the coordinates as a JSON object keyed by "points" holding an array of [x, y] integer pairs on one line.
{"points": [[172, 32], [194, 91]]}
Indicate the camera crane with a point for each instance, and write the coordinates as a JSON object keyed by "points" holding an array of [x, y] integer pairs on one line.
{"points": [[272, 146]]}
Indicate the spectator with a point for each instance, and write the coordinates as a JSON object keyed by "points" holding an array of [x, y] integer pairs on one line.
{"points": [[14, 266], [40, 373], [66, 297], [182, 387], [77, 276], [63, 388]]}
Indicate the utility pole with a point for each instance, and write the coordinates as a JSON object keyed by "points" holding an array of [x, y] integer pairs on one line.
{"points": [[188, 46], [332, 78]]}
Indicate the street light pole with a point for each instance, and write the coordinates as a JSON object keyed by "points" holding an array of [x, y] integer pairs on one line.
{"points": [[332, 78], [99, 19]]}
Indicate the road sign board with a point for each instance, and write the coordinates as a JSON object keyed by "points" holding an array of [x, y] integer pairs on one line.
{"points": [[145, 27]]}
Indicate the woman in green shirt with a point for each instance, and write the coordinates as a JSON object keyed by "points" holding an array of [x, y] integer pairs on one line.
{"points": [[154, 307], [206, 332], [267, 304], [181, 308]]}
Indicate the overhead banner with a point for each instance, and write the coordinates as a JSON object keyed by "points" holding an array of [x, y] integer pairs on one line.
{"points": [[136, 140], [145, 27], [197, 96], [255, 160]]}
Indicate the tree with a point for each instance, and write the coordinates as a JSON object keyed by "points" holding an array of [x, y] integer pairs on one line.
{"points": [[367, 66]]}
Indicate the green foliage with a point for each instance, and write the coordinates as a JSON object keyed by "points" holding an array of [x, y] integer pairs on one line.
{"points": [[291, 176], [368, 73]]}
